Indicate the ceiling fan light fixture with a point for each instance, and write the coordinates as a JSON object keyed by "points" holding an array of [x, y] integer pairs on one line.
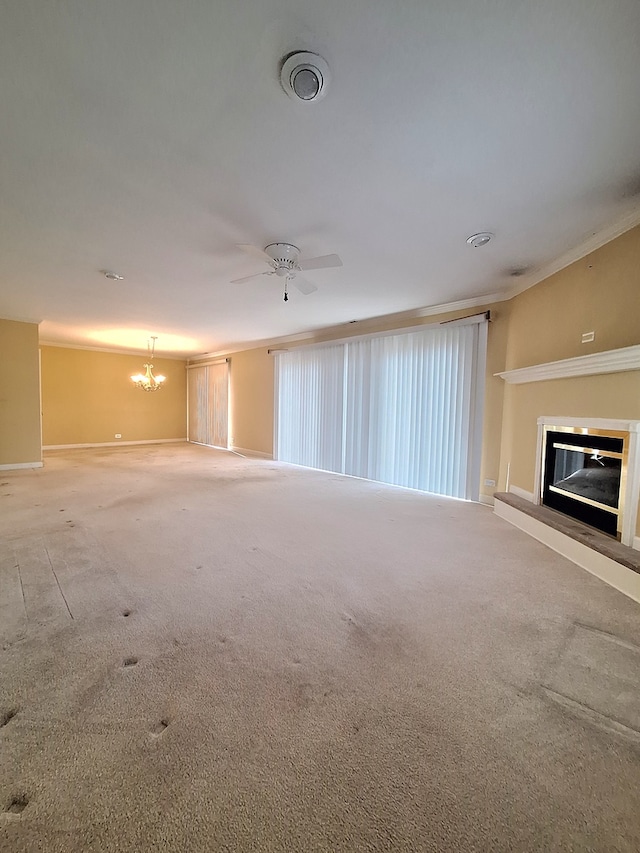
{"points": [[283, 261], [304, 76]]}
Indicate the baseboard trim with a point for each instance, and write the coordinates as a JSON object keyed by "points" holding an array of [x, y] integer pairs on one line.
{"points": [[487, 500], [16, 466], [255, 454], [621, 578], [114, 443], [521, 493]]}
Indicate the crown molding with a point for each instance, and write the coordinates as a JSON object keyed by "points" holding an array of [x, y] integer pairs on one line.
{"points": [[30, 320], [586, 247], [327, 334], [609, 361], [112, 351]]}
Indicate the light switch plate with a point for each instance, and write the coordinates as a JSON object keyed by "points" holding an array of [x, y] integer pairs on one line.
{"points": [[587, 337]]}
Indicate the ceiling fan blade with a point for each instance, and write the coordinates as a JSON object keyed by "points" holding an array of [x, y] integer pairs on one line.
{"points": [[255, 252], [303, 285], [249, 277], [321, 262]]}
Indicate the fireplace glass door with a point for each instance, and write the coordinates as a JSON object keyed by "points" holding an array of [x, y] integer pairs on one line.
{"points": [[583, 478]]}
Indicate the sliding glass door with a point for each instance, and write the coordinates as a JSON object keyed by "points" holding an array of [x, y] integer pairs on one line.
{"points": [[208, 390], [404, 408]]}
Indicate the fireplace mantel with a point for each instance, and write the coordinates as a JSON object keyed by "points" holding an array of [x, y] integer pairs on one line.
{"points": [[617, 424], [609, 361]]}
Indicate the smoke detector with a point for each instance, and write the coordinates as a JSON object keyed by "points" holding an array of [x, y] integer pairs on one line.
{"points": [[305, 76], [481, 239]]}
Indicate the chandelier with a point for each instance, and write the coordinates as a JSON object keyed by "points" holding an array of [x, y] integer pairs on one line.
{"points": [[147, 381]]}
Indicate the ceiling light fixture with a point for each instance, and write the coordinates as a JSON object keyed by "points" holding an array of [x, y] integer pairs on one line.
{"points": [[147, 381], [112, 276], [304, 76], [480, 239]]}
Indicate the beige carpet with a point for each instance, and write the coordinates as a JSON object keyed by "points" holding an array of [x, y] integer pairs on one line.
{"points": [[207, 653]]}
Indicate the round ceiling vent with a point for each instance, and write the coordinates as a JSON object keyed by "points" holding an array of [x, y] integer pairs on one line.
{"points": [[305, 76]]}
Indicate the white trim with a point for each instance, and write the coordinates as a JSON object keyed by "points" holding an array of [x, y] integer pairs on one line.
{"points": [[111, 350], [40, 396], [476, 319], [276, 409], [636, 543], [616, 424], [30, 320], [476, 408], [609, 361], [15, 466], [487, 500], [255, 454], [114, 443], [461, 305], [586, 247], [323, 335], [207, 363], [632, 490], [616, 575], [521, 493], [204, 444]]}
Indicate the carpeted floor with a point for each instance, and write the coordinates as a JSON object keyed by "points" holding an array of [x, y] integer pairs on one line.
{"points": [[207, 653]]}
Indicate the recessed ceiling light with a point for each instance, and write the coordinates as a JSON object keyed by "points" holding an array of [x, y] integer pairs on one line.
{"points": [[305, 76], [481, 239], [111, 275]]}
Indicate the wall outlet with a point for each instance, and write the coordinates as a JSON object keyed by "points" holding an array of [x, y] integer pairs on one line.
{"points": [[489, 482], [587, 337], [118, 435]]}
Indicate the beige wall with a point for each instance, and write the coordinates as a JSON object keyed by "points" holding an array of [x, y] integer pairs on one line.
{"points": [[19, 393], [88, 397], [599, 293], [252, 384], [614, 395], [251, 400]]}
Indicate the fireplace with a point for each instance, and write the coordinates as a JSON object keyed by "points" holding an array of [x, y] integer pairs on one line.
{"points": [[590, 470], [583, 476]]}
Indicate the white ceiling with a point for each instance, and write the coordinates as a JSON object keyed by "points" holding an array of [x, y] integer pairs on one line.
{"points": [[151, 137]]}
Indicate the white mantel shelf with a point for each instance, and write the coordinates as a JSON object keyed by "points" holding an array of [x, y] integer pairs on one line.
{"points": [[616, 424], [609, 361]]}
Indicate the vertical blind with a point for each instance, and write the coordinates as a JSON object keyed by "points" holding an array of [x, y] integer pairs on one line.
{"points": [[402, 409], [208, 404], [309, 407]]}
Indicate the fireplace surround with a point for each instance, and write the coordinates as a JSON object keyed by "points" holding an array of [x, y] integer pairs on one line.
{"points": [[589, 469]]}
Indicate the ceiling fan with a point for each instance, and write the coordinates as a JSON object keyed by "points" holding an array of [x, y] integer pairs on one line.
{"points": [[284, 261]]}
